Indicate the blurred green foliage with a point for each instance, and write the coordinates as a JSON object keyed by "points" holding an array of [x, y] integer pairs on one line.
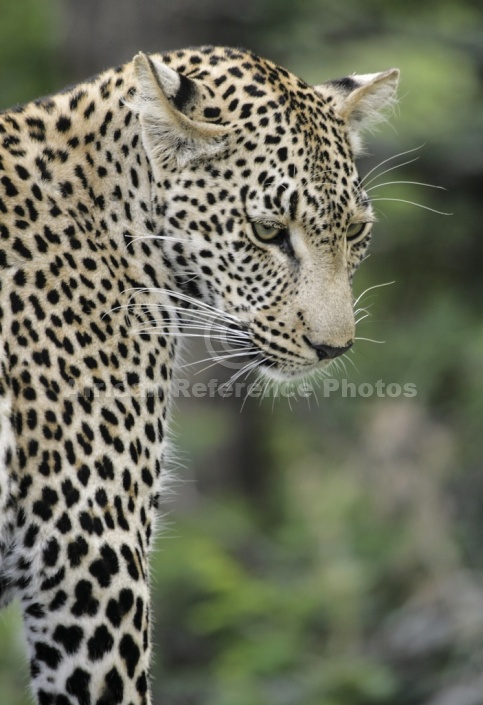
{"points": [[29, 32], [276, 624], [350, 592]]}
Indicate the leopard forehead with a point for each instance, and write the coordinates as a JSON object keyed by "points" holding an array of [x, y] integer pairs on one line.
{"points": [[280, 121]]}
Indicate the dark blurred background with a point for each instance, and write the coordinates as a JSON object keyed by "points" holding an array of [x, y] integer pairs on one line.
{"points": [[326, 551]]}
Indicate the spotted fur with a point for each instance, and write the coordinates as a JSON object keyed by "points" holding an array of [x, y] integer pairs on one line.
{"points": [[206, 180]]}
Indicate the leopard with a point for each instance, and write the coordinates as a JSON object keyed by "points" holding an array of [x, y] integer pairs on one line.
{"points": [[200, 186]]}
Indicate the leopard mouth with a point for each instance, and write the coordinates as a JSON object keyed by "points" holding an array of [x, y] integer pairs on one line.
{"points": [[281, 371], [245, 346], [279, 363]]}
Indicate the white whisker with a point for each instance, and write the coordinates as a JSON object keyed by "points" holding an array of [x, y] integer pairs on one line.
{"points": [[188, 299], [411, 183], [212, 332], [349, 359], [266, 386], [387, 171], [245, 370], [370, 288], [411, 203], [160, 330], [370, 340], [218, 357], [359, 320], [364, 181], [363, 309], [206, 329]]}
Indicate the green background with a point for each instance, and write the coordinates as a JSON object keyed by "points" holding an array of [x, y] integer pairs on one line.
{"points": [[326, 551]]}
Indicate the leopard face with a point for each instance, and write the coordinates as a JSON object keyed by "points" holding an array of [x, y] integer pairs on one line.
{"points": [[270, 227]]}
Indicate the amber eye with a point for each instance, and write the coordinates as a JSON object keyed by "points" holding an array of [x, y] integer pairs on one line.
{"points": [[356, 230], [266, 232]]}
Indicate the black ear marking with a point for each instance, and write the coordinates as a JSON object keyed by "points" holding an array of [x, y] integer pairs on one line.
{"points": [[347, 84], [184, 94]]}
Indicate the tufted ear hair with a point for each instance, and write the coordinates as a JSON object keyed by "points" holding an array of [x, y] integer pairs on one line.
{"points": [[161, 102], [362, 101]]}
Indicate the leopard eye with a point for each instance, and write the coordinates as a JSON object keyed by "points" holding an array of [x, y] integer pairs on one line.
{"points": [[355, 230], [266, 232]]}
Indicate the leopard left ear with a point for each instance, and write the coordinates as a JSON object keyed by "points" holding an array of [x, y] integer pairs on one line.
{"points": [[362, 101], [162, 99]]}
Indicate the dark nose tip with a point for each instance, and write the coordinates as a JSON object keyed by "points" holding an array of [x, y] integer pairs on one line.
{"points": [[327, 352]]}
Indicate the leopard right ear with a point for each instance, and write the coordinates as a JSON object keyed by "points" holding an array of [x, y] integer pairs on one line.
{"points": [[362, 100], [161, 101]]}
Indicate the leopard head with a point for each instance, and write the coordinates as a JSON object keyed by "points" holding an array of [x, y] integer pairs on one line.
{"points": [[259, 206]]}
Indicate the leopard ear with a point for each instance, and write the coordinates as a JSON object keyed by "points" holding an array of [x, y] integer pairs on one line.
{"points": [[362, 101], [161, 101]]}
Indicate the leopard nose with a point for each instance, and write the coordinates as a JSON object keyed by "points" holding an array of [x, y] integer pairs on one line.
{"points": [[327, 352]]}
